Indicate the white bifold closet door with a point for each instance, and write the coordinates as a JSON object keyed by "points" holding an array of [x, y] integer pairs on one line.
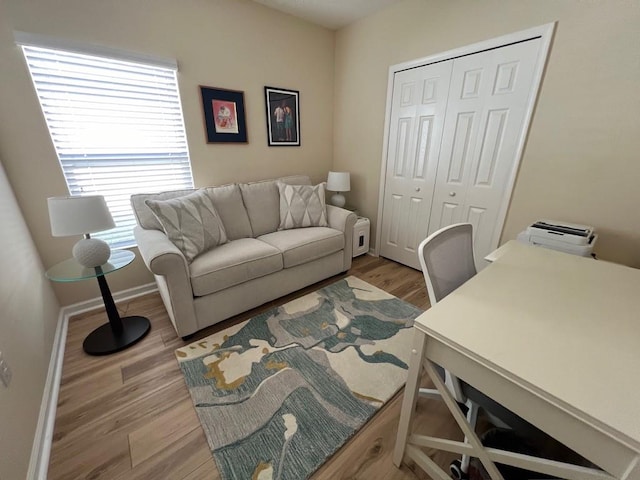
{"points": [[453, 142]]}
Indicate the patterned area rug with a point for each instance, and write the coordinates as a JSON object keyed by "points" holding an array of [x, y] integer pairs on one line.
{"points": [[281, 392]]}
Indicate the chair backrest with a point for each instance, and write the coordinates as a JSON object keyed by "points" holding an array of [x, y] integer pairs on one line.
{"points": [[447, 259]]}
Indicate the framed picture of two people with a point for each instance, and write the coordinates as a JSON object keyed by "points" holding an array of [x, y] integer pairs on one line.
{"points": [[283, 117]]}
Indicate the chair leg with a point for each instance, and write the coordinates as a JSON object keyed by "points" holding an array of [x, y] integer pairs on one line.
{"points": [[429, 393], [472, 418]]}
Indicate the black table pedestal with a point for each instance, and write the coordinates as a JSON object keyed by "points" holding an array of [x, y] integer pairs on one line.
{"points": [[119, 333]]}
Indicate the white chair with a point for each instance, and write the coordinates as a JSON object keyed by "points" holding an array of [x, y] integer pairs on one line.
{"points": [[447, 261]]}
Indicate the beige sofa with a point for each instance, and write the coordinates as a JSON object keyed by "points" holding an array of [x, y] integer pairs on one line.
{"points": [[258, 264]]}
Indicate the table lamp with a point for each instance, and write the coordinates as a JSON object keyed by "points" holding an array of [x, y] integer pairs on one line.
{"points": [[338, 182], [82, 215]]}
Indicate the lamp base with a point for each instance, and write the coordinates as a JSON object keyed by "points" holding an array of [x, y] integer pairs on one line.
{"points": [[103, 341], [91, 252], [338, 200]]}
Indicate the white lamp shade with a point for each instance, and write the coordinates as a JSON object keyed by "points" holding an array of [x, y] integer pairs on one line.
{"points": [[79, 215], [339, 182]]}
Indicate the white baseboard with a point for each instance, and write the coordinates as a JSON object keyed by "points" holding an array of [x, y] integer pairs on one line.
{"points": [[41, 449], [95, 303]]}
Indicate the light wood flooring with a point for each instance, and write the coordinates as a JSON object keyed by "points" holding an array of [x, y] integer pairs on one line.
{"points": [[129, 415]]}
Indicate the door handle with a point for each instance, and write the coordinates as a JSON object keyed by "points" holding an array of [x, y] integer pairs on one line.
{"points": [[417, 189], [452, 194]]}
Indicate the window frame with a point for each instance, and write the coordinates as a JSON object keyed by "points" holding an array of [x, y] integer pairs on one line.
{"points": [[122, 236]]}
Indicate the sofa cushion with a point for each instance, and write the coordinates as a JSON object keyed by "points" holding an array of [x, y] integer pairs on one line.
{"points": [[263, 206], [262, 202], [302, 206], [228, 202], [191, 222], [233, 263], [144, 215], [303, 245]]}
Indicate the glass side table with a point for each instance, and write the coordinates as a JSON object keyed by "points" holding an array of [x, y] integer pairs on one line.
{"points": [[119, 333]]}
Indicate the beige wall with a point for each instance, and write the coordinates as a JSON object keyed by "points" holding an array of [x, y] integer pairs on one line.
{"points": [[581, 163], [27, 327], [235, 44]]}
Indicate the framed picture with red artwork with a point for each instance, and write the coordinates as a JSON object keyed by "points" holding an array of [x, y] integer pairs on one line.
{"points": [[224, 116]]}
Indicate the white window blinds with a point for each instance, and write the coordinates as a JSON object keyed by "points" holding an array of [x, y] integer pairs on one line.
{"points": [[117, 128]]}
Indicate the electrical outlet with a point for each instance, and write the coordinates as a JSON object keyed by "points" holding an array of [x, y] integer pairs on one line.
{"points": [[5, 372]]}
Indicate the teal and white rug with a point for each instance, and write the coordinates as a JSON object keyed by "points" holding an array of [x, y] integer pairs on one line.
{"points": [[280, 393]]}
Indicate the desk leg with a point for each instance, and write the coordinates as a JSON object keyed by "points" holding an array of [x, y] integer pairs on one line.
{"points": [[461, 420], [119, 333], [410, 395], [633, 473]]}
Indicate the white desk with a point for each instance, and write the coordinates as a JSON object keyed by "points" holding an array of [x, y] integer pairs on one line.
{"points": [[553, 337]]}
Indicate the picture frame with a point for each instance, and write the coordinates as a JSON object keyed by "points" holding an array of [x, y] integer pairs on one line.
{"points": [[224, 115], [283, 117]]}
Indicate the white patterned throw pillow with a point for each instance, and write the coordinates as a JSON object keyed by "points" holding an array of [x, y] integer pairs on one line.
{"points": [[191, 223], [302, 206]]}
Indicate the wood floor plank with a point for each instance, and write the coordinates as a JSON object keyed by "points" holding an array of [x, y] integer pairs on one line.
{"points": [[117, 410], [165, 429], [177, 461], [150, 362], [79, 395], [129, 415], [102, 459], [79, 366]]}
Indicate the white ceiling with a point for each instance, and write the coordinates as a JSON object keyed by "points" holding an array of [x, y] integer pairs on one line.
{"points": [[332, 14]]}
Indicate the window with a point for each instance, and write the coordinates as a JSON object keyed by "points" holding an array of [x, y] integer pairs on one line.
{"points": [[116, 126]]}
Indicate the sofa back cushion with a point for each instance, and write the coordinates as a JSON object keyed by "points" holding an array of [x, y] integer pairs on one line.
{"points": [[226, 198], [191, 222], [228, 202], [262, 201], [144, 216], [302, 206]]}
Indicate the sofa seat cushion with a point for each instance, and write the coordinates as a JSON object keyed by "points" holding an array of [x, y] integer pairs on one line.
{"points": [[233, 263], [302, 245]]}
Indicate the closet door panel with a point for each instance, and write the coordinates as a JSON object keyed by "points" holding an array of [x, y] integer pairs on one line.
{"points": [[417, 118], [486, 111]]}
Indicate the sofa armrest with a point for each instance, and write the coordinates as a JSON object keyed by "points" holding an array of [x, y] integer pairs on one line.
{"points": [[160, 255], [171, 270], [343, 220]]}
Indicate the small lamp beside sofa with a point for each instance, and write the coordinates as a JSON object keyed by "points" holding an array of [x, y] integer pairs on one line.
{"points": [[338, 182], [219, 251]]}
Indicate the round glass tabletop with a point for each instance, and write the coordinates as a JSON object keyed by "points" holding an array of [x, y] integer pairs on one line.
{"points": [[71, 271]]}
